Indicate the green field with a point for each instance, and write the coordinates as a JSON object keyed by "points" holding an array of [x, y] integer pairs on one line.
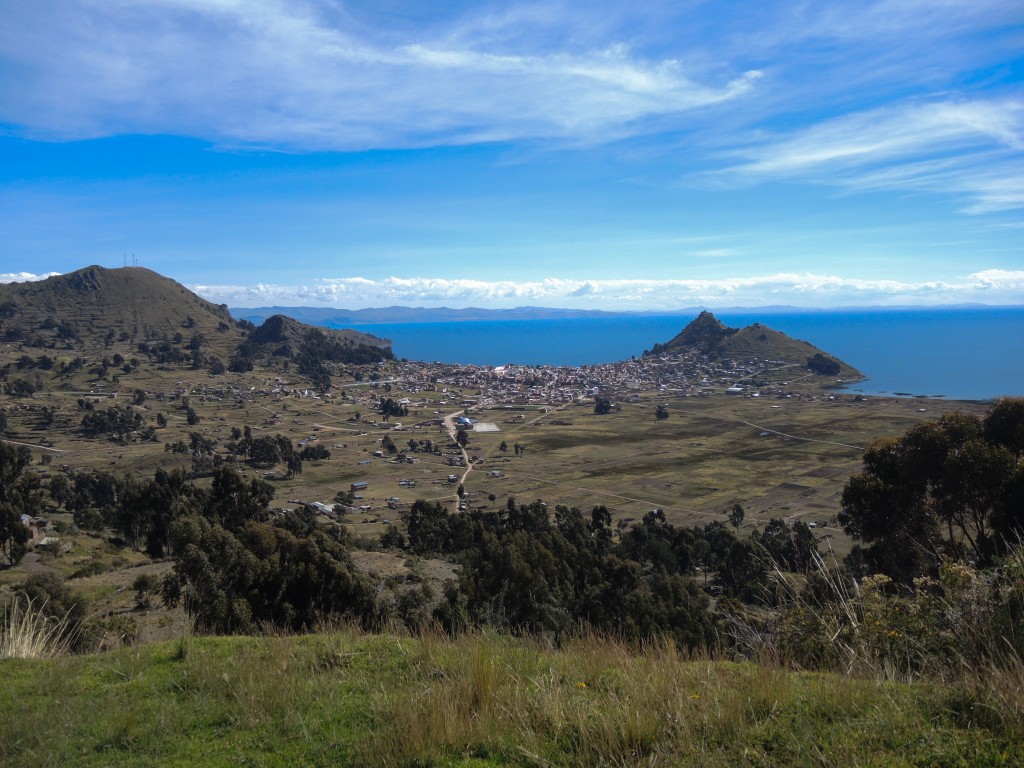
{"points": [[342, 698]]}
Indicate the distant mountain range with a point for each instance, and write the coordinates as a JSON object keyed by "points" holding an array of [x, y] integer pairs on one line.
{"points": [[333, 317]]}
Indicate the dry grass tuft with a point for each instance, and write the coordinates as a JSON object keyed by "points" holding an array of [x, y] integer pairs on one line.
{"points": [[27, 633]]}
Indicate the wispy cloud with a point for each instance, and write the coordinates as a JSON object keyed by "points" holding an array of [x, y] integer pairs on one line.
{"points": [[716, 253], [969, 147], [305, 75], [992, 286]]}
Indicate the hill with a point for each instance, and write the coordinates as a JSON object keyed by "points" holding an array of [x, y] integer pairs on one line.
{"points": [[132, 310], [710, 337], [285, 337], [95, 307]]}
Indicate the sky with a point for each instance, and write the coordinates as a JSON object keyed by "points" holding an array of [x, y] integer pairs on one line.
{"points": [[598, 155]]}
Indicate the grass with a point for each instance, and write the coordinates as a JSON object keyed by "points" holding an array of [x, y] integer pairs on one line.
{"points": [[27, 633], [347, 698]]}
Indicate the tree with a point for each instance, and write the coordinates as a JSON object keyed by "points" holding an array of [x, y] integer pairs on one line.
{"points": [[462, 438], [20, 493], [235, 575], [22, 388], [61, 490], [117, 421], [427, 527], [661, 412], [315, 453], [823, 364], [264, 450], [736, 515], [602, 405], [945, 489]]}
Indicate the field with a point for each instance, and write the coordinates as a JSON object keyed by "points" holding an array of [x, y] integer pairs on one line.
{"points": [[776, 457], [785, 457], [344, 698]]}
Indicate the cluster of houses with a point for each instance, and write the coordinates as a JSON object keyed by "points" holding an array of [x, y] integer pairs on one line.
{"points": [[686, 374]]}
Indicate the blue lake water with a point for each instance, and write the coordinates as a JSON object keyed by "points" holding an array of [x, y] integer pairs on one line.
{"points": [[966, 354]]}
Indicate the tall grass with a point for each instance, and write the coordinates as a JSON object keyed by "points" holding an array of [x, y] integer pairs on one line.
{"points": [[963, 630], [479, 700], [26, 632], [597, 701]]}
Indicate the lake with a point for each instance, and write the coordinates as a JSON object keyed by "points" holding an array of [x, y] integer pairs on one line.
{"points": [[964, 354]]}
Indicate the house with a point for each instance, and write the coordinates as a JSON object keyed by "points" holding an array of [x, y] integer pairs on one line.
{"points": [[360, 486]]}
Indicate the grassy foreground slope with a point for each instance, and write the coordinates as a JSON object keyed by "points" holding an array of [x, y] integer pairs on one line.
{"points": [[345, 698]]}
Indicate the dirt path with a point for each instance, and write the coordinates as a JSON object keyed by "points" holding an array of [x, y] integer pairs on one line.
{"points": [[449, 424], [32, 445], [31, 563]]}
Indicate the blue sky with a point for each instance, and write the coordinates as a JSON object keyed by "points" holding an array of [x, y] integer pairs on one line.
{"points": [[606, 155]]}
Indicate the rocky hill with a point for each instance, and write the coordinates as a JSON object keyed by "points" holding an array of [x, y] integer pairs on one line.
{"points": [[281, 336], [709, 336], [94, 308], [130, 312]]}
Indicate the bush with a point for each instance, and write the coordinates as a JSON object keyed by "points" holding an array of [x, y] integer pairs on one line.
{"points": [[962, 620]]}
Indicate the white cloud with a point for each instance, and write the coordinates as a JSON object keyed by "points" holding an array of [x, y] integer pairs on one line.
{"points": [[306, 74], [892, 133], [24, 277], [993, 286], [310, 75], [968, 147], [717, 253]]}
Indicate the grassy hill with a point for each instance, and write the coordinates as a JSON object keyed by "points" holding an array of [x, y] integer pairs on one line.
{"points": [[284, 336], [95, 308], [708, 336], [130, 310], [346, 698]]}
